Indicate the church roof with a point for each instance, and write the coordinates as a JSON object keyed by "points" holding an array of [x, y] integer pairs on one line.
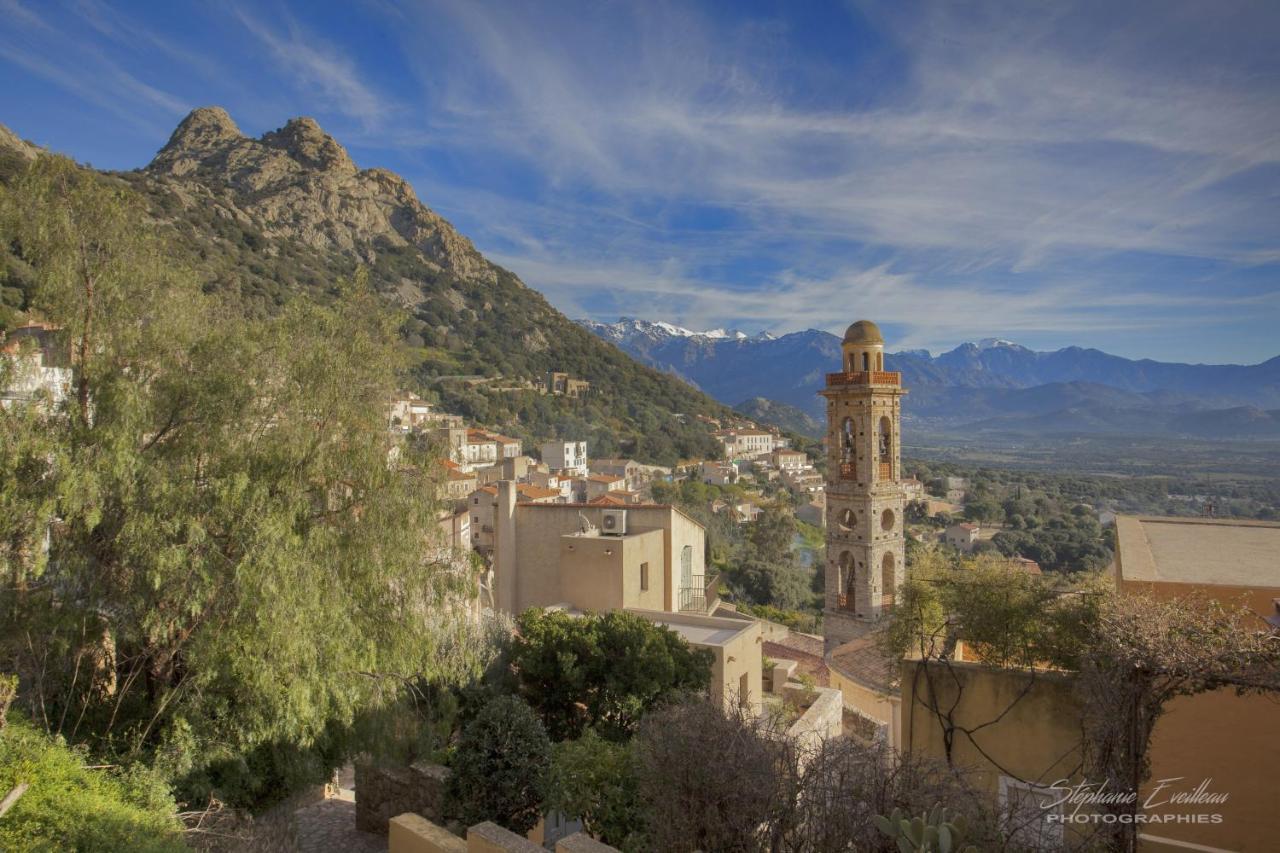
{"points": [[863, 332]]}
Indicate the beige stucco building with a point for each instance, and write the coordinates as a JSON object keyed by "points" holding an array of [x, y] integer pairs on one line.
{"points": [[735, 646], [567, 554], [1233, 740]]}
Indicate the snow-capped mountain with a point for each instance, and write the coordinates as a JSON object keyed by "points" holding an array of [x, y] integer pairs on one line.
{"points": [[994, 382], [629, 329]]}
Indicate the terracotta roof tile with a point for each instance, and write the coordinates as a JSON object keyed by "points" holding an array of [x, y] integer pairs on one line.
{"points": [[862, 660]]}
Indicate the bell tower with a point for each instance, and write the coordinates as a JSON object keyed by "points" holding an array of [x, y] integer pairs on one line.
{"points": [[865, 544]]}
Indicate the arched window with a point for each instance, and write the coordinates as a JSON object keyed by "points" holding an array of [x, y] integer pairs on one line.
{"points": [[846, 440], [888, 587], [866, 362], [686, 566], [886, 520], [848, 518], [847, 598], [886, 440], [879, 361]]}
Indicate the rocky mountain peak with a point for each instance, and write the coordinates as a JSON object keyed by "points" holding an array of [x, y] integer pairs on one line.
{"points": [[304, 141], [298, 182], [203, 128]]}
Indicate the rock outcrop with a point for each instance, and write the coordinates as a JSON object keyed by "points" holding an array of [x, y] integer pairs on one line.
{"points": [[299, 182]]}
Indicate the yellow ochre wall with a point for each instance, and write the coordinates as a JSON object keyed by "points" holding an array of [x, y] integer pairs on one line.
{"points": [[1233, 740]]}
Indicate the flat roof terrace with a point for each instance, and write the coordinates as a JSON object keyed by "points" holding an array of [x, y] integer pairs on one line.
{"points": [[1212, 551], [697, 630]]}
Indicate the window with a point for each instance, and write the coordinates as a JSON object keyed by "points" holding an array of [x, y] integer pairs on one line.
{"points": [[1030, 821], [644, 577], [744, 691], [686, 566]]}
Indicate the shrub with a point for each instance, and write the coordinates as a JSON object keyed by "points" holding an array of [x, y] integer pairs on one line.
{"points": [[601, 671], [594, 780], [500, 767], [71, 807]]}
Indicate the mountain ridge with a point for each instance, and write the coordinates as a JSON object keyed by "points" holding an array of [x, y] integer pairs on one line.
{"points": [[988, 384], [286, 215]]}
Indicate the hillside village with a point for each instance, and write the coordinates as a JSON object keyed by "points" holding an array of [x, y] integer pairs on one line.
{"points": [[826, 630]]}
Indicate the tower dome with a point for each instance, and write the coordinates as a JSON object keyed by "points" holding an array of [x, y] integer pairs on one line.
{"points": [[863, 347], [863, 332]]}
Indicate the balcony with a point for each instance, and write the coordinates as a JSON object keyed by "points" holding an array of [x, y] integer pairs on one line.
{"points": [[866, 377], [886, 470], [848, 471], [701, 596], [845, 602]]}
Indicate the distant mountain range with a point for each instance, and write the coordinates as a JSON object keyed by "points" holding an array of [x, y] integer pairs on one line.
{"points": [[987, 387]]}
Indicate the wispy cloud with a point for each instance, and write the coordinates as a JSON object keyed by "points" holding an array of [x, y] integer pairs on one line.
{"points": [[1010, 139], [315, 63]]}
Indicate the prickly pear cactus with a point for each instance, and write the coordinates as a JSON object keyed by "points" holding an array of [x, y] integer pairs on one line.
{"points": [[928, 833]]}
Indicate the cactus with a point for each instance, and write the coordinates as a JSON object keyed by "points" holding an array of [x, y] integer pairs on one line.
{"points": [[928, 833]]}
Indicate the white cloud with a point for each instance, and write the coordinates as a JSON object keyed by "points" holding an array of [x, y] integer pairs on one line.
{"points": [[318, 65], [1015, 140]]}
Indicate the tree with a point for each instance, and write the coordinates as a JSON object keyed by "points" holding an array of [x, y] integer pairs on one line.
{"points": [[754, 788], [595, 780], [772, 535], [232, 561], [782, 585], [602, 671], [500, 767], [711, 780]]}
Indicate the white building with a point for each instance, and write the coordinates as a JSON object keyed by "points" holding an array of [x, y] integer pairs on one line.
{"points": [[745, 443], [37, 366], [566, 456], [963, 536]]}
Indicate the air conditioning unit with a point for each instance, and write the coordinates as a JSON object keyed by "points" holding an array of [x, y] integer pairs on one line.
{"points": [[614, 522]]}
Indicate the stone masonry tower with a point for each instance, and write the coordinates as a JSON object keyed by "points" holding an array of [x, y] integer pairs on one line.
{"points": [[865, 546]]}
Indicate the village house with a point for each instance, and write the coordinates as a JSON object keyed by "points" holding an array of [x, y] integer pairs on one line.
{"points": [[564, 385], [597, 485], [963, 536], [570, 456], [547, 553], [790, 460], [458, 483], [745, 443], [718, 473], [913, 489], [481, 504], [41, 365], [803, 481]]}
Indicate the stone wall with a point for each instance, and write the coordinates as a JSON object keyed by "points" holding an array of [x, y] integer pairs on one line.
{"points": [[385, 792]]}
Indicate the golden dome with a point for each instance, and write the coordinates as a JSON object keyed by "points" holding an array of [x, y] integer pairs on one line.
{"points": [[863, 332]]}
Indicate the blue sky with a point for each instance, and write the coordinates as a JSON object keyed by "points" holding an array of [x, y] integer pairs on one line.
{"points": [[1104, 174]]}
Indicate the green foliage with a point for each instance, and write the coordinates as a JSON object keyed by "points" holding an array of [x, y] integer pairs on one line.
{"points": [[783, 585], [71, 807], [931, 832], [235, 568], [594, 780], [601, 671], [772, 535], [456, 327], [1006, 617], [500, 767]]}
